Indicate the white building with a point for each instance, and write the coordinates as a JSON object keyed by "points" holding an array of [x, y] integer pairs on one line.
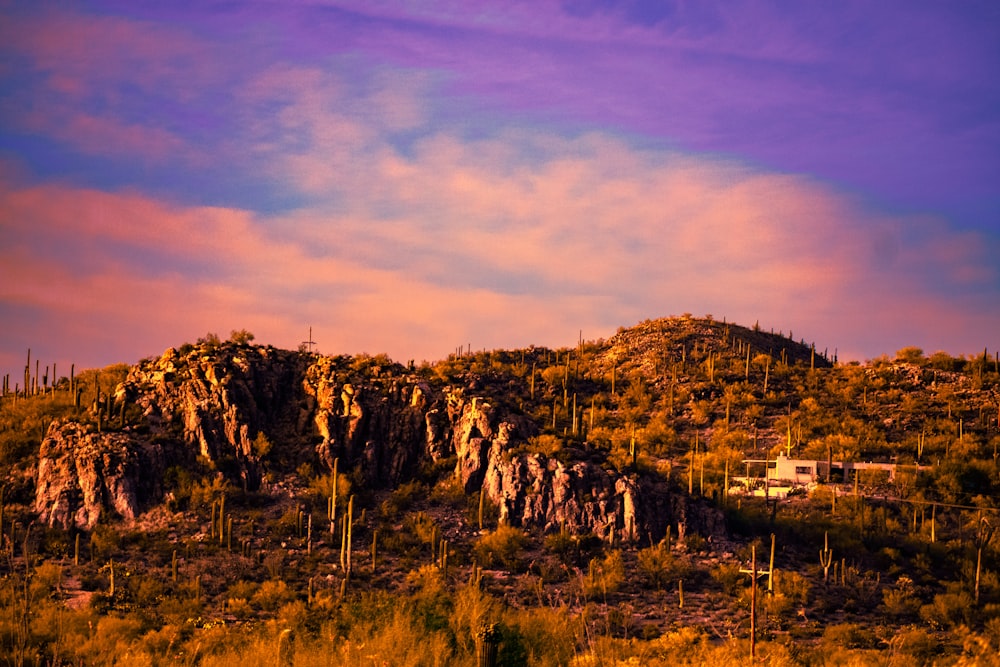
{"points": [[801, 472]]}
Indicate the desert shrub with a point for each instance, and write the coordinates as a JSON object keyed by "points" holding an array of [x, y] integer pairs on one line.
{"points": [[948, 610], [512, 651], [572, 549], [792, 585], [242, 589], [114, 636], [547, 444], [728, 576], [848, 635], [271, 595], [104, 541], [916, 643], [560, 543], [240, 608], [294, 616], [604, 575], [422, 527], [656, 564], [274, 563], [146, 591], [472, 609], [550, 635], [991, 630], [449, 491], [901, 601], [207, 490], [401, 498], [502, 547], [399, 640], [695, 543], [430, 603], [47, 579], [241, 337]]}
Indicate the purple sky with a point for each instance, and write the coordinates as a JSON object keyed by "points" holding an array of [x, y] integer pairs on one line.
{"points": [[408, 177]]}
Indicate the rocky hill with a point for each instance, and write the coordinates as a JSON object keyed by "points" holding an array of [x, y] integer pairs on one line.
{"points": [[591, 489], [381, 420]]}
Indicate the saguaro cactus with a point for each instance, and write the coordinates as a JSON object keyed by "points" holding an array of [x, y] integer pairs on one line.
{"points": [[826, 556], [488, 645], [984, 533]]}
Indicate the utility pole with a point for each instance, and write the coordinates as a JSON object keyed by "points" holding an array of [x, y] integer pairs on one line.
{"points": [[754, 573]]}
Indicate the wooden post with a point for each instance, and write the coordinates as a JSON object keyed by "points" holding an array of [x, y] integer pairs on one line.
{"points": [[752, 571], [770, 568]]}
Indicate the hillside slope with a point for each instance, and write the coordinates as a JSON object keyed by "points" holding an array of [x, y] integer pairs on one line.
{"points": [[584, 487]]}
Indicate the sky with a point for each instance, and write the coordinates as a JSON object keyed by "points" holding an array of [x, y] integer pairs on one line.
{"points": [[409, 177]]}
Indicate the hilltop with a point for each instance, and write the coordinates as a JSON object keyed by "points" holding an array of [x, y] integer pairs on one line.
{"points": [[585, 491]]}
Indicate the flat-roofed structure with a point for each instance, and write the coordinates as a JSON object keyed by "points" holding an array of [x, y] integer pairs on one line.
{"points": [[808, 471]]}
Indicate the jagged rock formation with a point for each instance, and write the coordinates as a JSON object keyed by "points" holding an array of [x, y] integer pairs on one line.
{"points": [[220, 400], [83, 473], [580, 496], [381, 424], [379, 418]]}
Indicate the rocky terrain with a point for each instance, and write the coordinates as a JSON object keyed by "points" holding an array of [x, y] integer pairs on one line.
{"points": [[384, 422], [594, 482]]}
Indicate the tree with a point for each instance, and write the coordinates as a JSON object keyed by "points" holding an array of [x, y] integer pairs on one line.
{"points": [[241, 337], [912, 355]]}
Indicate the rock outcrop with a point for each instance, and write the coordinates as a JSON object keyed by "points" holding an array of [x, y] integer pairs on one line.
{"points": [[378, 418], [218, 401], [581, 496], [82, 474]]}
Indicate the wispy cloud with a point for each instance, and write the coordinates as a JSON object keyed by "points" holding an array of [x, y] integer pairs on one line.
{"points": [[512, 240], [417, 213]]}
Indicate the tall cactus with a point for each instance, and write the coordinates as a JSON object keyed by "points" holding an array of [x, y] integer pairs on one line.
{"points": [[211, 521], [532, 380], [222, 517], [27, 374], [984, 533], [333, 500], [482, 505], [350, 521], [826, 555], [98, 404]]}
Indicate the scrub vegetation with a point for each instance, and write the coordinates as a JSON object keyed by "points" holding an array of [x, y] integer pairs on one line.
{"points": [[866, 570]]}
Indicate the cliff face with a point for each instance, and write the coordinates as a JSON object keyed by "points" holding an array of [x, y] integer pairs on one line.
{"points": [[380, 419], [218, 402], [83, 473]]}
